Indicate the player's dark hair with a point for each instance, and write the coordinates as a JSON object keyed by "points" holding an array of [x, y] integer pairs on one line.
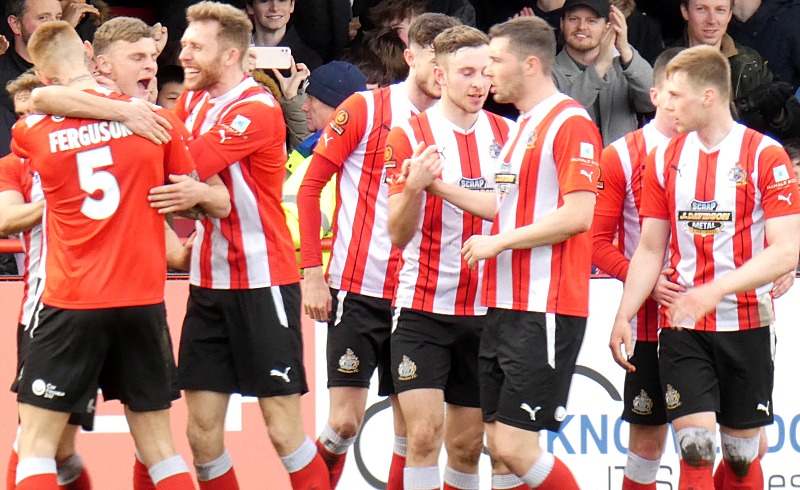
{"points": [[529, 36], [426, 27]]}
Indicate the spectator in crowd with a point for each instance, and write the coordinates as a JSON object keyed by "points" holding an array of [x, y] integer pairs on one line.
{"points": [[379, 56], [762, 103], [644, 32], [325, 25], [170, 86], [792, 147], [612, 88], [395, 14], [272, 28], [291, 97], [24, 16], [460, 9], [85, 15], [549, 10], [770, 27]]}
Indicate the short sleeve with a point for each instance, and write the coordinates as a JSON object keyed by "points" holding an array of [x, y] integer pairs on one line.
{"points": [[177, 159], [576, 151], [11, 173], [777, 182], [654, 196], [398, 149], [611, 185], [344, 131]]}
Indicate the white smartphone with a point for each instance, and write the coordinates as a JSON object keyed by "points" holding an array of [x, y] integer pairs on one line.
{"points": [[279, 57]]}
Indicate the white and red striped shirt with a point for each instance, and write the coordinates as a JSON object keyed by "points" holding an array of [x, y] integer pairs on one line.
{"points": [[363, 260], [16, 175], [717, 201], [433, 277], [554, 151], [619, 197], [241, 136]]}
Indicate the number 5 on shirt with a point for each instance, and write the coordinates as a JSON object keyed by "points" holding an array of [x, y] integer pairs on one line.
{"points": [[92, 181]]}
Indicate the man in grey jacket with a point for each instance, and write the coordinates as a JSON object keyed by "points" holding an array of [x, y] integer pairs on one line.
{"points": [[598, 68]]}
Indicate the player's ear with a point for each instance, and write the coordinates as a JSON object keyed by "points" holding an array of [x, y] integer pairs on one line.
{"points": [[709, 96], [89, 54], [438, 74], [104, 65], [408, 55]]}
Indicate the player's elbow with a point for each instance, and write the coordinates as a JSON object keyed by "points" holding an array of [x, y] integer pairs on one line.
{"points": [[6, 227], [398, 236]]}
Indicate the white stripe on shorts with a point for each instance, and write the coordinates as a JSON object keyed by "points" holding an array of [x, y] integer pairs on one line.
{"points": [[340, 296], [550, 332], [280, 308]]}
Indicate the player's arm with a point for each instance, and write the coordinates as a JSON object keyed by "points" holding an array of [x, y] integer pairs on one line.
{"points": [[16, 215], [187, 193], [480, 204], [572, 218], [138, 115], [178, 254], [611, 190]]}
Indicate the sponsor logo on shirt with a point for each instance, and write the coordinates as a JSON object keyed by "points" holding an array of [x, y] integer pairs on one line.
{"points": [[340, 120], [780, 173], [587, 150], [476, 184], [240, 123], [703, 218]]}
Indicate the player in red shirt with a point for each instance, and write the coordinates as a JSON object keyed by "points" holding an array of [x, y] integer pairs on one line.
{"points": [[362, 267], [94, 325], [723, 199], [437, 302], [536, 278]]}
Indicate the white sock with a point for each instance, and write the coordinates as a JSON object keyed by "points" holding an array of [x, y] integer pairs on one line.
{"points": [[421, 477], [463, 481], [214, 469], [540, 470], [400, 446], [504, 482], [641, 470], [69, 470], [35, 466], [739, 448], [172, 466], [335, 443], [301, 457]]}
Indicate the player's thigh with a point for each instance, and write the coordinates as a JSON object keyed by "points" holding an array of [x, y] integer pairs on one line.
{"points": [[463, 384], [643, 403], [491, 377], [689, 381], [420, 352]]}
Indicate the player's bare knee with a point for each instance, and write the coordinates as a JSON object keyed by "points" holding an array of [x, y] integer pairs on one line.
{"points": [[465, 447], [697, 446], [424, 439], [346, 425]]}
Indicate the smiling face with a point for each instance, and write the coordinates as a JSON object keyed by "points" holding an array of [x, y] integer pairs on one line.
{"points": [[582, 28], [462, 78], [271, 15], [132, 65], [706, 21], [201, 56]]}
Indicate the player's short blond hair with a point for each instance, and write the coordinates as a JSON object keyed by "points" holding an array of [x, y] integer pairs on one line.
{"points": [[529, 36], [53, 45], [23, 83], [128, 29], [234, 26], [427, 26], [704, 67], [451, 40]]}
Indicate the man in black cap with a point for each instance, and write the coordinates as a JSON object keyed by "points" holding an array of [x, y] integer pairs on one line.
{"points": [[600, 69]]}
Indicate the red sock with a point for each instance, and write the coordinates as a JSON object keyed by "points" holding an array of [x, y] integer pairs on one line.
{"points": [[754, 479], [560, 478], [178, 481], [11, 472], [628, 484], [141, 477], [719, 475], [520, 487], [44, 481], [82, 483], [225, 481], [696, 477], [313, 476], [396, 472], [334, 462]]}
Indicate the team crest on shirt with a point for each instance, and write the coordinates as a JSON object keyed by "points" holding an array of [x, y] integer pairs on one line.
{"points": [[737, 175], [494, 150], [388, 157], [407, 370], [339, 121], [703, 218], [349, 362], [531, 140], [642, 404], [672, 398]]}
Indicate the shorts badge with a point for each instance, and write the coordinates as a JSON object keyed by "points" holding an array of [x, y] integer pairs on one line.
{"points": [[642, 404], [407, 369], [672, 397], [349, 362]]}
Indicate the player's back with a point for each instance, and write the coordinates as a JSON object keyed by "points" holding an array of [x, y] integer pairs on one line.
{"points": [[105, 244]]}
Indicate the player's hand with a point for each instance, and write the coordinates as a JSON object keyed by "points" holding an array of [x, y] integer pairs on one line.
{"points": [[666, 291], [183, 194], [783, 284], [74, 11], [160, 35], [106, 82], [3, 45], [142, 119], [180, 259], [423, 167], [621, 344], [620, 27], [691, 306], [480, 247], [290, 85], [316, 294]]}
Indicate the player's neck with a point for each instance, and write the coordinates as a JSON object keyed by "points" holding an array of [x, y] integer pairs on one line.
{"points": [[456, 115], [663, 125], [535, 92], [229, 80], [420, 100], [79, 80], [716, 129]]}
